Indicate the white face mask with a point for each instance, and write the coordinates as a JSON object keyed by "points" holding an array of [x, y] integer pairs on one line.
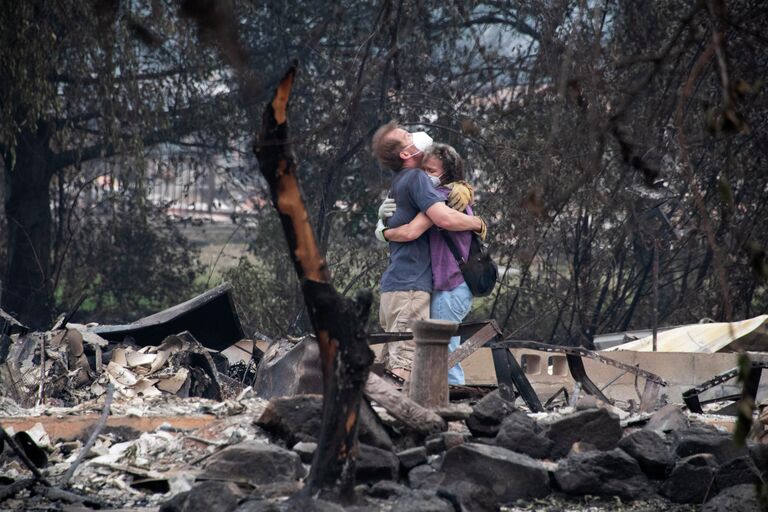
{"points": [[421, 141], [435, 181]]}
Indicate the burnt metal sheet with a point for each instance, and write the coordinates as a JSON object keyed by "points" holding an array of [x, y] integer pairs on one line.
{"points": [[580, 352], [691, 397], [579, 374], [10, 326], [510, 375], [210, 317]]}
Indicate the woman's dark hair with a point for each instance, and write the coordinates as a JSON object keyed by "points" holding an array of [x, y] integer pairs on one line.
{"points": [[453, 164]]}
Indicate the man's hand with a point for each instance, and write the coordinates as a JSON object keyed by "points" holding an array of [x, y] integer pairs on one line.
{"points": [[380, 227], [462, 195], [387, 208]]}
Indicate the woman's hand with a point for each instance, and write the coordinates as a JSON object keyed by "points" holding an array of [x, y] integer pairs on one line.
{"points": [[462, 195]]}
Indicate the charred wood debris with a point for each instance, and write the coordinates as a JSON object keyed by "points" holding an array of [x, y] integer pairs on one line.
{"points": [[100, 417]]}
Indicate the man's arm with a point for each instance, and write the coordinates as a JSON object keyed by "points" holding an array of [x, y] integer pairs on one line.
{"points": [[447, 218], [410, 231]]}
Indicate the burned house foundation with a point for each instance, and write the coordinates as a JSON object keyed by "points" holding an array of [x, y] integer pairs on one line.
{"points": [[177, 422]]}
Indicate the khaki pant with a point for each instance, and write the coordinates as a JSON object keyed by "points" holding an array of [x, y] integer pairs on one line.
{"points": [[396, 312]]}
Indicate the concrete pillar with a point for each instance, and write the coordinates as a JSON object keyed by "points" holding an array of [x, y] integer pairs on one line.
{"points": [[428, 385]]}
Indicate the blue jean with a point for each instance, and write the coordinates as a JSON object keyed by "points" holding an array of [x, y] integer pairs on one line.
{"points": [[452, 305]]}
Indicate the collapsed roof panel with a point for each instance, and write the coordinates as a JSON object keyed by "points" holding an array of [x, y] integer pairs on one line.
{"points": [[210, 317], [750, 334]]}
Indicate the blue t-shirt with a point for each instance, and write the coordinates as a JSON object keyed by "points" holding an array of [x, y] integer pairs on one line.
{"points": [[410, 265]]}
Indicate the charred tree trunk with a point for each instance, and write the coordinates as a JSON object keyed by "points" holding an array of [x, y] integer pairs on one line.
{"points": [[26, 290], [338, 322]]}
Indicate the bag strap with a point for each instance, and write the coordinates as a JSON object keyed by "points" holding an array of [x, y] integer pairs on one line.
{"points": [[452, 246]]}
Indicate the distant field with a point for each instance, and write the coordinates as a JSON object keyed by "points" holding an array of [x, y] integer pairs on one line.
{"points": [[220, 244]]}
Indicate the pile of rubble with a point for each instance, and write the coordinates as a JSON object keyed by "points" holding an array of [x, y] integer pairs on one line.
{"points": [[138, 416], [249, 454]]}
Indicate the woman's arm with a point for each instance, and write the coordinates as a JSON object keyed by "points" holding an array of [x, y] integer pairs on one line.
{"points": [[410, 231]]}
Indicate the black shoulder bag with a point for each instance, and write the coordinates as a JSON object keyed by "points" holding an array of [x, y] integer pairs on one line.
{"points": [[479, 271]]}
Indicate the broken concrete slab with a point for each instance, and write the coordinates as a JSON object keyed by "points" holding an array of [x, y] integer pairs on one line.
{"points": [[548, 373]]}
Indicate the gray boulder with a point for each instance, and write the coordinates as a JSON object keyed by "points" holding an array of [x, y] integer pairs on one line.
{"points": [[759, 454], [650, 450], [424, 477], [468, 497], [205, 497], [488, 413], [595, 426], [375, 464], [702, 439], [421, 501], [386, 489], [442, 441], [299, 419], [691, 479], [522, 434], [741, 470], [602, 473], [412, 457], [253, 462], [739, 498], [294, 504], [294, 418], [511, 476]]}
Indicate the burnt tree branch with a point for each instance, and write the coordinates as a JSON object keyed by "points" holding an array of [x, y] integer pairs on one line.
{"points": [[338, 322]]}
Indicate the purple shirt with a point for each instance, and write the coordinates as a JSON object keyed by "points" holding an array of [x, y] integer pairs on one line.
{"points": [[445, 271]]}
